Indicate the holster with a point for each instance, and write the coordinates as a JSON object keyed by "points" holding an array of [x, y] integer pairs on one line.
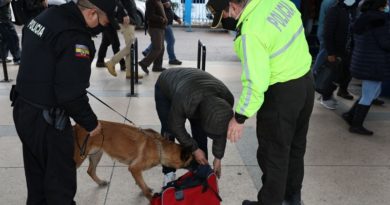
{"points": [[55, 117]]}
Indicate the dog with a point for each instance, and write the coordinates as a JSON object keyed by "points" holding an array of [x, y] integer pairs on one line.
{"points": [[140, 149]]}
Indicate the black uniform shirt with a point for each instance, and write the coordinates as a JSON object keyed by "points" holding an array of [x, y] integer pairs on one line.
{"points": [[56, 62]]}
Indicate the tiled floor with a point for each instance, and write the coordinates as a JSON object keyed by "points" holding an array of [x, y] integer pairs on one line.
{"points": [[341, 168]]}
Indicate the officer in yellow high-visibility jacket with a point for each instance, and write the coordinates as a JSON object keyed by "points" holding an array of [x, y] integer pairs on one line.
{"points": [[277, 85]]}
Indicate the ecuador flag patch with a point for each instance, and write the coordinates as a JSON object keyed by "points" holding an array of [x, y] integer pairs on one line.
{"points": [[82, 51]]}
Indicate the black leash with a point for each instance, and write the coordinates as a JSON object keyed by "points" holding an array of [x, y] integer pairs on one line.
{"points": [[83, 147], [110, 107]]}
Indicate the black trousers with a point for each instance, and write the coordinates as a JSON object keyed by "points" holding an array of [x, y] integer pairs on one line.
{"points": [[48, 157], [109, 37], [156, 55], [163, 106], [282, 124], [10, 40], [343, 78]]}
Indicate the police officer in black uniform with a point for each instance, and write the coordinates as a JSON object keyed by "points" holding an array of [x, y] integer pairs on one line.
{"points": [[51, 87]]}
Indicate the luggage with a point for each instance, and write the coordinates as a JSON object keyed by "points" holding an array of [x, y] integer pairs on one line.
{"points": [[197, 187]]}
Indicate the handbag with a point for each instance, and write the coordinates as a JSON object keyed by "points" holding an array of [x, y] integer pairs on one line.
{"points": [[198, 187], [327, 75]]}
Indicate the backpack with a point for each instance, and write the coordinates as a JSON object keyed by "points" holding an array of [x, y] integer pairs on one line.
{"points": [[198, 187], [19, 13]]}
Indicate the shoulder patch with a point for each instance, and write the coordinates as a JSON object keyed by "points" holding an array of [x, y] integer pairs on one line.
{"points": [[81, 51]]}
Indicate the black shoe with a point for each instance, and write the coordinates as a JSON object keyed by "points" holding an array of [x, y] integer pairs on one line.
{"points": [[175, 62], [158, 69], [100, 64], [378, 102], [247, 202], [344, 94], [144, 67]]}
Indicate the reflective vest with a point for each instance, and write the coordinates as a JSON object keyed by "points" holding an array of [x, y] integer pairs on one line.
{"points": [[272, 47]]}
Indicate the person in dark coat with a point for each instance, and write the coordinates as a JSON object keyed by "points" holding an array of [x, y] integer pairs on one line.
{"points": [[191, 94], [127, 28], [9, 37], [110, 37], [50, 89], [169, 36], [156, 21], [370, 59], [337, 39]]}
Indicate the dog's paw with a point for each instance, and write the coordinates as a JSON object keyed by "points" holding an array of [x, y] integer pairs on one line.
{"points": [[103, 183]]}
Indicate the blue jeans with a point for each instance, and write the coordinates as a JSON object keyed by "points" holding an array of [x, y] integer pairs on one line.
{"points": [[163, 106], [11, 39], [170, 39], [370, 91]]}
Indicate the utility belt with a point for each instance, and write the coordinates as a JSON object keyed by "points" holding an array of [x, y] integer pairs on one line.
{"points": [[54, 116]]}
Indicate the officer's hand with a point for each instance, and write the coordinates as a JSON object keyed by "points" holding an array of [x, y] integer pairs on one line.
{"points": [[96, 131], [179, 21], [126, 20], [234, 130], [332, 58], [200, 157], [217, 167]]}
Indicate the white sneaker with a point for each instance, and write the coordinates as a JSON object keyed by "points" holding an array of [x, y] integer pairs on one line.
{"points": [[171, 176], [334, 100], [328, 104]]}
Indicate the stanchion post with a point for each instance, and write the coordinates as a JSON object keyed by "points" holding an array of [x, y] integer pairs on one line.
{"points": [[132, 65], [203, 57], [4, 62], [136, 61], [199, 54]]}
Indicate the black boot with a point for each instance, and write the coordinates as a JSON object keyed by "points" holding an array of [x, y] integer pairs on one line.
{"points": [[358, 119], [348, 116]]}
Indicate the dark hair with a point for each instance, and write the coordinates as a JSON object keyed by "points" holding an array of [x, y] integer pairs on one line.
{"points": [[372, 5], [238, 1]]}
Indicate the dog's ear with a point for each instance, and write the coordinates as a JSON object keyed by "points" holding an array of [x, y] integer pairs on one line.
{"points": [[185, 153]]}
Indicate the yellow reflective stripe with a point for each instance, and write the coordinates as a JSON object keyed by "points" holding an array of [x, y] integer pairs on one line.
{"points": [[285, 47]]}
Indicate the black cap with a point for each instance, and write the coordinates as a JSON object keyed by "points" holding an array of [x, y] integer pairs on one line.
{"points": [[216, 8], [109, 7], [215, 115]]}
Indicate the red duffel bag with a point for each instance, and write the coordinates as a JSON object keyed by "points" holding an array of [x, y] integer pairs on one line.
{"points": [[197, 187]]}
